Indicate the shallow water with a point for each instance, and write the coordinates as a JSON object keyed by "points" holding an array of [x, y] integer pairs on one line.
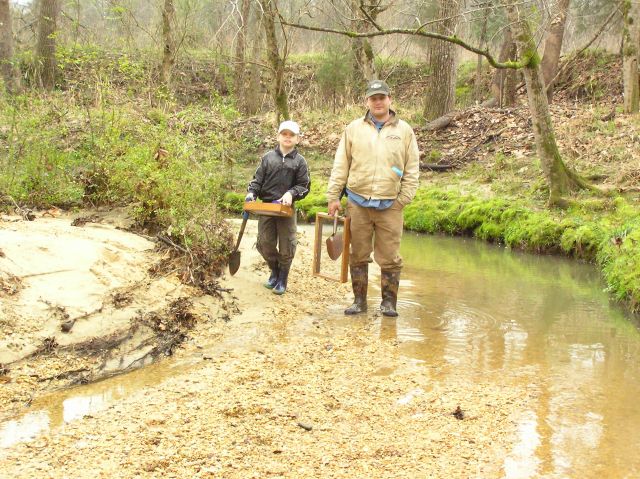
{"points": [[475, 309], [481, 311]]}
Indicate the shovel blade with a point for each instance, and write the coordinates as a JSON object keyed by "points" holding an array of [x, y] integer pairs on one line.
{"points": [[234, 257], [234, 262], [334, 246]]}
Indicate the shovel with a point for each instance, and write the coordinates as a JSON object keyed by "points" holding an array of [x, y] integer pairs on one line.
{"points": [[234, 256], [334, 242]]}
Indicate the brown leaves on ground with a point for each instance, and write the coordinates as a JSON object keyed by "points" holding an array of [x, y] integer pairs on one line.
{"points": [[476, 133], [9, 284], [83, 220]]}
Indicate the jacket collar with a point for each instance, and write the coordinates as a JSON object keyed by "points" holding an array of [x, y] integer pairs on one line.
{"points": [[393, 118], [291, 154]]}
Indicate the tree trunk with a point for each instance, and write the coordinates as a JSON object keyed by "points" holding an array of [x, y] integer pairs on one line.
{"points": [[483, 38], [440, 91], [76, 24], [503, 85], [169, 44], [560, 179], [9, 72], [553, 46], [276, 61], [363, 57], [253, 97], [241, 47], [46, 46], [630, 52]]}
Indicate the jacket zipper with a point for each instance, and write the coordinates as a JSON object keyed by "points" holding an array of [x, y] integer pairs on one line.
{"points": [[377, 148]]}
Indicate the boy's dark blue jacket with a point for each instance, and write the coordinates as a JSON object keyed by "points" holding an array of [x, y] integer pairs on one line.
{"points": [[278, 174]]}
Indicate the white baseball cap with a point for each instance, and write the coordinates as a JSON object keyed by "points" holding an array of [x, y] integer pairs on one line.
{"points": [[292, 126]]}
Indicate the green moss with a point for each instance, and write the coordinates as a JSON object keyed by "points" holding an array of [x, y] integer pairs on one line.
{"points": [[314, 202], [583, 240], [609, 236], [434, 156]]}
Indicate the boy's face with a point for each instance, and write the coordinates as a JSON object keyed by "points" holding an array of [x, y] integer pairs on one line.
{"points": [[287, 139]]}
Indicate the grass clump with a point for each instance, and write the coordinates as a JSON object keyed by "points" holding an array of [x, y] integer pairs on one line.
{"points": [[57, 150]]}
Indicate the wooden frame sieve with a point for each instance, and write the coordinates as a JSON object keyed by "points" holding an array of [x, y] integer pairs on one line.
{"points": [[321, 260]]}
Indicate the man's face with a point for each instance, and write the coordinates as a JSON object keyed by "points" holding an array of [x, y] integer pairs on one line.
{"points": [[287, 139], [379, 105]]}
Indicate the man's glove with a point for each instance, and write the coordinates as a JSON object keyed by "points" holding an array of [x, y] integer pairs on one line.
{"points": [[286, 199], [249, 197]]}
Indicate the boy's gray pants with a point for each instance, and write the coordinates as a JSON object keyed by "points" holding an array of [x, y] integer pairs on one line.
{"points": [[277, 240]]}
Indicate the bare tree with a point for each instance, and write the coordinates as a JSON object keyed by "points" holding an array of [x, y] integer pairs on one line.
{"points": [[483, 40], [440, 91], [504, 82], [630, 52], [168, 41], [9, 72], [276, 59], [241, 46], [46, 47], [576, 53], [553, 46], [364, 14], [560, 179]]}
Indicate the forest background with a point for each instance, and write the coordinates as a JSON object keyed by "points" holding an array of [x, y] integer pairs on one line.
{"points": [[526, 113]]}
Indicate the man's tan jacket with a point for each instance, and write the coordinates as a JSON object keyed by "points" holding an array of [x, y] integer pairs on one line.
{"points": [[379, 165]]}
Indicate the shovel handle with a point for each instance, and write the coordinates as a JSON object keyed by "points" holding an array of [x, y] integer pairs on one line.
{"points": [[245, 217], [335, 223]]}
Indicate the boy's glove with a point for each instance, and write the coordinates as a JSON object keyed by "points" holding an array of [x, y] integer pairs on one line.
{"points": [[286, 199], [249, 197]]}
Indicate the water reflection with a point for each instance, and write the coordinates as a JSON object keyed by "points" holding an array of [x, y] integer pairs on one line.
{"points": [[522, 462], [545, 320], [468, 308], [32, 424], [53, 410], [24, 429]]}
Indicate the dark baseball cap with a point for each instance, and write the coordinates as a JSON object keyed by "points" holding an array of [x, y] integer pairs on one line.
{"points": [[377, 87]]}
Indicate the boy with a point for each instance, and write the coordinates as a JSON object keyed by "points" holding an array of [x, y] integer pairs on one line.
{"points": [[283, 177]]}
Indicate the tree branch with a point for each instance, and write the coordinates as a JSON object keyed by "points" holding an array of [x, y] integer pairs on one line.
{"points": [[371, 20], [515, 65]]}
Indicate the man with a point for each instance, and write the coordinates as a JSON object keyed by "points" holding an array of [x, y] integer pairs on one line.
{"points": [[377, 160]]}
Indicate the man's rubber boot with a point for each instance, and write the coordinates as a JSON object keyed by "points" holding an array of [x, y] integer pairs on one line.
{"points": [[359, 283], [273, 279], [281, 283], [389, 283]]}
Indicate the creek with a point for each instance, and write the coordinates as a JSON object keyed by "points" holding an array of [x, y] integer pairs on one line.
{"points": [[482, 311]]}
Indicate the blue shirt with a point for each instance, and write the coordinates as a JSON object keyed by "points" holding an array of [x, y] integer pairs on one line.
{"points": [[368, 203], [378, 124]]}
